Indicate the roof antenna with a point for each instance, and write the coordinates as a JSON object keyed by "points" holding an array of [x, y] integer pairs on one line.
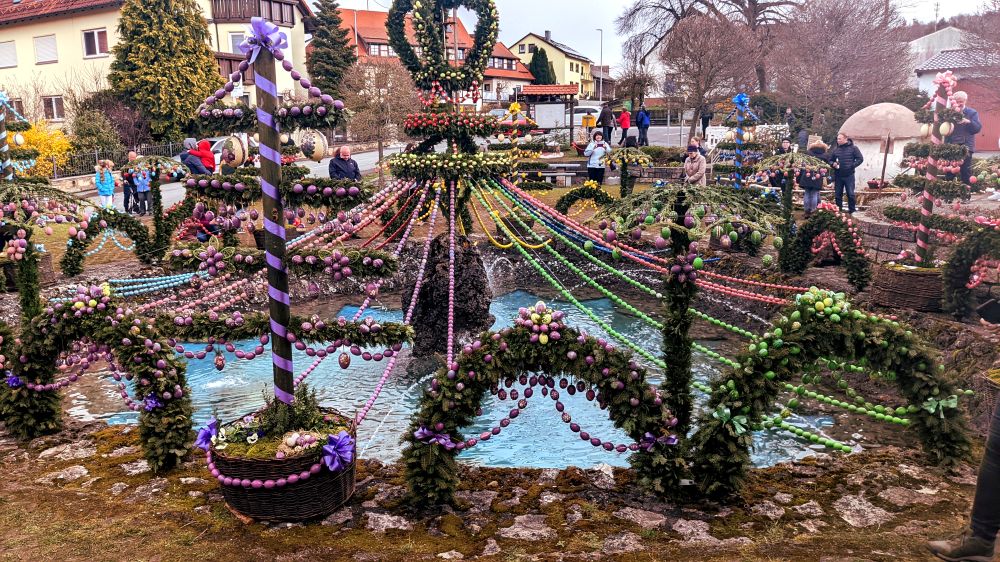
{"points": [[937, 9]]}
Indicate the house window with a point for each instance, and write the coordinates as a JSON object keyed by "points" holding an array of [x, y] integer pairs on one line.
{"points": [[8, 54], [521, 49], [461, 54], [373, 50], [234, 42], [383, 50], [95, 43], [45, 49], [488, 87], [54, 110], [532, 48]]}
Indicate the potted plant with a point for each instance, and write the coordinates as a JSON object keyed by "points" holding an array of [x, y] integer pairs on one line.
{"points": [[285, 462]]}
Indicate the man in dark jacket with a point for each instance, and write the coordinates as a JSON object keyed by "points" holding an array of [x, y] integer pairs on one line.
{"points": [[643, 120], [706, 119], [191, 161], [128, 181], [965, 131], [845, 158], [343, 167], [606, 120]]}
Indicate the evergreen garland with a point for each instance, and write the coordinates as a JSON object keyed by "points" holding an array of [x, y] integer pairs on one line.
{"points": [[808, 331], [330, 56], [796, 253], [145, 246], [935, 222], [595, 194], [957, 295], [160, 43]]}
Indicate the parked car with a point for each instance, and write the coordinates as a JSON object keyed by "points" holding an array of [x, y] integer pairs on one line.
{"points": [[581, 110]]}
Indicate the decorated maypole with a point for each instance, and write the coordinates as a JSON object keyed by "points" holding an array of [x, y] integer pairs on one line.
{"points": [[945, 83], [742, 102], [6, 165], [265, 44]]}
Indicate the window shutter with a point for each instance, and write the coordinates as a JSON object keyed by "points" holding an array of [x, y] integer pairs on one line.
{"points": [[8, 54], [45, 49]]}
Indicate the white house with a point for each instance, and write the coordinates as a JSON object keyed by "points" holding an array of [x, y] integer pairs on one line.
{"points": [[881, 131]]}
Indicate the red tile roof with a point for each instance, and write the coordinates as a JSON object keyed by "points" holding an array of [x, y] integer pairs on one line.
{"points": [[550, 89], [371, 28], [501, 50], [26, 10], [520, 71]]}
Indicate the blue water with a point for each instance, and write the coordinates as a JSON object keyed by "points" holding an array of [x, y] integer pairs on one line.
{"points": [[537, 438]]}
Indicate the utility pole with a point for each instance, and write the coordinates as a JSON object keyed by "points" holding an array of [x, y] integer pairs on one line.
{"points": [[600, 81]]}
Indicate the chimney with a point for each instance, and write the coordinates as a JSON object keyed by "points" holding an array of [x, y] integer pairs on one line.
{"points": [[548, 35]]}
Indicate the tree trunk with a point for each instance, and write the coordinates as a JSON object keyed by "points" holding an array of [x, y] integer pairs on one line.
{"points": [[761, 77], [694, 122]]}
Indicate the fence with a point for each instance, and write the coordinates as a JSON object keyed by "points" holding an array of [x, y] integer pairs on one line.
{"points": [[83, 163]]}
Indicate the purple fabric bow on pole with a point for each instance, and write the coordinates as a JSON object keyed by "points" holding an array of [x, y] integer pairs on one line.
{"points": [[339, 451], [206, 434], [649, 441], [427, 436], [263, 34]]}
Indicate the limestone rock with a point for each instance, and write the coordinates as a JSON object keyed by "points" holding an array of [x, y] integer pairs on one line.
{"points": [[641, 517], [574, 515], [813, 525], [192, 481], [603, 476], [479, 501], [68, 474], [339, 517], [90, 482], [769, 509], [548, 476], [196, 494], [528, 528], [905, 497], [810, 509], [491, 548], [472, 296], [135, 468], [783, 498], [382, 522], [70, 451], [621, 543], [117, 488], [388, 494], [549, 498], [124, 451], [451, 555], [859, 512], [152, 488], [694, 531]]}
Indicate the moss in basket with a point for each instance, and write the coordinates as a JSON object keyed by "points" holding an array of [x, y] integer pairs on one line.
{"points": [[276, 420], [994, 375]]}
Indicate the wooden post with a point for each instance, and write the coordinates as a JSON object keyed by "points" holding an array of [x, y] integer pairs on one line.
{"points": [[6, 166], [274, 224], [885, 158]]}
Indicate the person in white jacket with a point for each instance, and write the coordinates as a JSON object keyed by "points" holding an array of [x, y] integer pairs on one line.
{"points": [[596, 151]]}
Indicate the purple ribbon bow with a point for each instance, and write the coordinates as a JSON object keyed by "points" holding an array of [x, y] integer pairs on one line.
{"points": [[649, 441], [427, 436], [206, 434], [263, 34], [339, 451], [13, 381]]}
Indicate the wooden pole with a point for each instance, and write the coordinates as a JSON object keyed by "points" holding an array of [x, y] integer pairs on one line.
{"points": [[274, 223], [6, 165], [885, 159]]}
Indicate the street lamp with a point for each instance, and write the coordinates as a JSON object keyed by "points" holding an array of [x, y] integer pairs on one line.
{"points": [[600, 80]]}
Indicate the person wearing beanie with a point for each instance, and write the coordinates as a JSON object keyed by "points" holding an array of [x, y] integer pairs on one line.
{"points": [[193, 161], [596, 150], [812, 180], [695, 166], [104, 180]]}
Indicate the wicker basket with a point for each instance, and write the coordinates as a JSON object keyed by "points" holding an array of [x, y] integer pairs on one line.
{"points": [[917, 288], [314, 498]]}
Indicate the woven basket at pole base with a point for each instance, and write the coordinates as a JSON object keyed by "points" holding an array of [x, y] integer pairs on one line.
{"points": [[318, 496], [916, 289]]}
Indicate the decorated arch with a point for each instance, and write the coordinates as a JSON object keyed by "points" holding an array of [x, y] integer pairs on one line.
{"points": [[568, 361], [828, 228], [821, 327], [102, 226], [589, 192], [967, 267]]}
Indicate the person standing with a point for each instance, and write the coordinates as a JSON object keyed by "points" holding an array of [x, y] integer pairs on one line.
{"points": [[104, 180], [811, 181], [192, 161], [803, 139], [606, 120], [695, 166], [777, 177], [343, 167], [845, 158], [128, 184], [706, 119], [642, 121], [625, 122], [965, 131], [790, 120], [596, 151], [143, 181]]}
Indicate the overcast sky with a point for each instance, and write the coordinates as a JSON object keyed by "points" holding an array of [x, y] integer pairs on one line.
{"points": [[575, 22]]}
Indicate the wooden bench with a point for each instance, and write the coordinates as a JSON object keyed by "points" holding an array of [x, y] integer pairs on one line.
{"points": [[566, 176]]}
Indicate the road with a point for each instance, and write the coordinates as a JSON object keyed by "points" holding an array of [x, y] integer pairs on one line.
{"points": [[367, 161]]}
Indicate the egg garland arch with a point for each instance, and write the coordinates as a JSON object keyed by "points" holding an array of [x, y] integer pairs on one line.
{"points": [[958, 272], [503, 359], [590, 191], [808, 333], [797, 253]]}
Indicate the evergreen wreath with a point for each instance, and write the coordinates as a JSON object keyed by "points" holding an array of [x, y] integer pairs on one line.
{"points": [[796, 253], [361, 262], [145, 246], [821, 324], [957, 293], [587, 192], [947, 190]]}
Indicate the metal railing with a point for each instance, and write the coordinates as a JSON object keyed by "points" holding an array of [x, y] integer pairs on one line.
{"points": [[82, 163]]}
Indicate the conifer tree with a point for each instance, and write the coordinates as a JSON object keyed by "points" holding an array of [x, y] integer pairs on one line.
{"points": [[541, 68], [331, 57], [163, 65]]}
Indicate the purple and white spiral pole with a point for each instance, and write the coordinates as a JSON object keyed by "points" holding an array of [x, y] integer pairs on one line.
{"points": [[6, 166]]}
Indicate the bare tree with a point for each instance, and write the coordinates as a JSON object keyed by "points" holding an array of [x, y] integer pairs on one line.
{"points": [[381, 94], [707, 58], [634, 79], [829, 58], [648, 22]]}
